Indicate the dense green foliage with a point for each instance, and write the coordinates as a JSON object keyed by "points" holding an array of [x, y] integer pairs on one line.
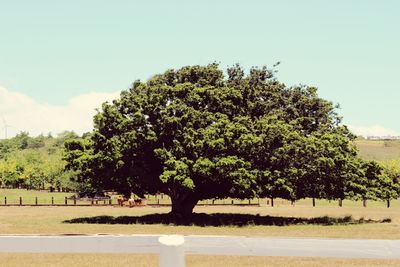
{"points": [[195, 134], [34, 162]]}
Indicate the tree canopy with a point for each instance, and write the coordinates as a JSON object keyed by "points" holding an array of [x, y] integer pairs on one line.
{"points": [[198, 133]]}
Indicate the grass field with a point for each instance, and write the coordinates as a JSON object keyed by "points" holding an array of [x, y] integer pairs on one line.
{"points": [[111, 260], [50, 220], [379, 150]]}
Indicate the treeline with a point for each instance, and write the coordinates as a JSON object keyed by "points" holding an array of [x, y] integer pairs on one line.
{"points": [[374, 181], [35, 162]]}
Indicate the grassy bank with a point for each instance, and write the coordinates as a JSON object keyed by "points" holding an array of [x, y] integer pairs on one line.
{"points": [[379, 150]]}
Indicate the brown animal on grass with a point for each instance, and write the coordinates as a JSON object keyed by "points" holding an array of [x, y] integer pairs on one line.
{"points": [[135, 202], [122, 200], [138, 201], [131, 202]]}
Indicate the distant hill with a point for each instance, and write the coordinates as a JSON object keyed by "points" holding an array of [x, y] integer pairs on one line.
{"points": [[378, 149]]}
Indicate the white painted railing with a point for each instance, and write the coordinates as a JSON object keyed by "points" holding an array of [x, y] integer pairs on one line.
{"points": [[172, 249]]}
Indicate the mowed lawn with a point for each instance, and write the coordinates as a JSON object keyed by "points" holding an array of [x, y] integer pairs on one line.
{"points": [[50, 220], [111, 260]]}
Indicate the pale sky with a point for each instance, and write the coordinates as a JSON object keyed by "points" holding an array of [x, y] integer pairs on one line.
{"points": [[59, 60]]}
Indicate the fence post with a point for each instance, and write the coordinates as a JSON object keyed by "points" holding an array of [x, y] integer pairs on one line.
{"points": [[66, 201], [172, 252], [110, 202], [340, 202], [74, 200], [313, 201], [5, 201], [364, 203], [388, 203], [36, 201], [92, 202], [272, 201], [20, 201]]}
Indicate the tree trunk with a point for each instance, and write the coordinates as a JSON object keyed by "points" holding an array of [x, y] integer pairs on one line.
{"points": [[183, 205], [388, 203], [340, 202], [313, 201]]}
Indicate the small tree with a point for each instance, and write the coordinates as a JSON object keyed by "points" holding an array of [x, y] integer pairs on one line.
{"points": [[390, 181]]}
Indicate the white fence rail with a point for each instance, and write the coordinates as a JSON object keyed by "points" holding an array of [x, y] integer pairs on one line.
{"points": [[172, 249]]}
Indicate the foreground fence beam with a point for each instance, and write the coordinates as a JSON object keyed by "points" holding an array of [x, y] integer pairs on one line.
{"points": [[172, 249], [293, 247], [80, 244]]}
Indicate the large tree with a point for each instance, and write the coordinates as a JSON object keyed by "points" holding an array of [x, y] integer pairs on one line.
{"points": [[195, 134]]}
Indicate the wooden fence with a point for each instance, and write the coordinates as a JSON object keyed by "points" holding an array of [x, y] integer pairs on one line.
{"points": [[71, 201], [20, 201], [162, 200], [172, 249]]}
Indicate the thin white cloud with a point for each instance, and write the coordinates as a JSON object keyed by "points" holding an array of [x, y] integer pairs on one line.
{"points": [[374, 130], [23, 113]]}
